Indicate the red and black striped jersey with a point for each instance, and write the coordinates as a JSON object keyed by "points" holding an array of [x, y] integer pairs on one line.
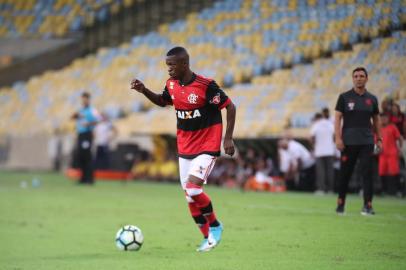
{"points": [[197, 106]]}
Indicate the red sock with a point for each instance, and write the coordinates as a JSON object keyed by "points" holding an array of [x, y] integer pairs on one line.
{"points": [[211, 217], [199, 219], [203, 201]]}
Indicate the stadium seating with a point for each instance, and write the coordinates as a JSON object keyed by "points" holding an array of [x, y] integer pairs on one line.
{"points": [[48, 18], [297, 93], [235, 41]]}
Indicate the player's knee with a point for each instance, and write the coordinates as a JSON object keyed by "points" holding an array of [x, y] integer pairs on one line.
{"points": [[193, 189], [188, 198], [195, 180]]}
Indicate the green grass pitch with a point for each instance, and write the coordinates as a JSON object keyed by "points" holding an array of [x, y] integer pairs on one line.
{"points": [[60, 225]]}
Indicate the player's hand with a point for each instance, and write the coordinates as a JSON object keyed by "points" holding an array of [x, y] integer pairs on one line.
{"points": [[379, 145], [75, 116], [229, 146], [137, 85], [340, 144]]}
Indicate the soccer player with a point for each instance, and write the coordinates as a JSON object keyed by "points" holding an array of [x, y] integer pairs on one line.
{"points": [[322, 132], [197, 101], [355, 139]]}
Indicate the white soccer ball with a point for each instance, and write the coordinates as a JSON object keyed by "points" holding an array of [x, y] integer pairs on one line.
{"points": [[129, 237]]}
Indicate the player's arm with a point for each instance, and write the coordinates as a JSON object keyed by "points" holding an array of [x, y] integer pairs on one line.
{"points": [[75, 116], [337, 131], [340, 108], [217, 98], [94, 119], [138, 86], [376, 123], [400, 141], [228, 138]]}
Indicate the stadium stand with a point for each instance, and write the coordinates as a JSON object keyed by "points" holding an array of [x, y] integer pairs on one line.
{"points": [[52, 18], [251, 39], [297, 93]]}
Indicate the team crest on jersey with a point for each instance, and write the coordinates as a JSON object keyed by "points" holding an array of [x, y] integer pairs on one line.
{"points": [[215, 100], [188, 114], [368, 101], [171, 85], [351, 105], [192, 98]]}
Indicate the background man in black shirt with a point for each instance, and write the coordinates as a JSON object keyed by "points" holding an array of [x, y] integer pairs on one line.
{"points": [[355, 137]]}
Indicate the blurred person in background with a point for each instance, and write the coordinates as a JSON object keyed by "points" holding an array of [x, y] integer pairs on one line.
{"points": [[398, 119], [104, 133], [322, 138], [244, 170], [297, 164], [354, 137], [261, 180], [386, 106], [287, 166], [86, 119], [389, 156], [326, 115], [141, 165], [168, 169]]}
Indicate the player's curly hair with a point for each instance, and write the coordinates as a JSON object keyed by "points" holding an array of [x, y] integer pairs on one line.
{"points": [[176, 51]]}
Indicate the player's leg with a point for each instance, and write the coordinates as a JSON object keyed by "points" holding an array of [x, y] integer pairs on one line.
{"points": [[330, 173], [87, 145], [320, 175], [383, 171], [200, 220], [198, 173], [365, 163], [194, 190], [82, 157], [348, 160], [394, 174]]}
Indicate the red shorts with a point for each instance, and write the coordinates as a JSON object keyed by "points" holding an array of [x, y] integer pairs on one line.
{"points": [[388, 165]]}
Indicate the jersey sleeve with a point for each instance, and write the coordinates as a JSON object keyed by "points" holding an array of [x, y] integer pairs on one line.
{"points": [[216, 97], [166, 97], [94, 116], [340, 106]]}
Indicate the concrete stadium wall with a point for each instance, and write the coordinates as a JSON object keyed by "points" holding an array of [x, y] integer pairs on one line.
{"points": [[35, 152], [28, 153]]}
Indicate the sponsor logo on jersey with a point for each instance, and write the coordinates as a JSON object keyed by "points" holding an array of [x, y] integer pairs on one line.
{"points": [[215, 100], [192, 98], [188, 114]]}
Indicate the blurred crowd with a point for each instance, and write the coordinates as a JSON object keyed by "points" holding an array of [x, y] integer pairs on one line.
{"points": [[389, 162], [309, 164]]}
